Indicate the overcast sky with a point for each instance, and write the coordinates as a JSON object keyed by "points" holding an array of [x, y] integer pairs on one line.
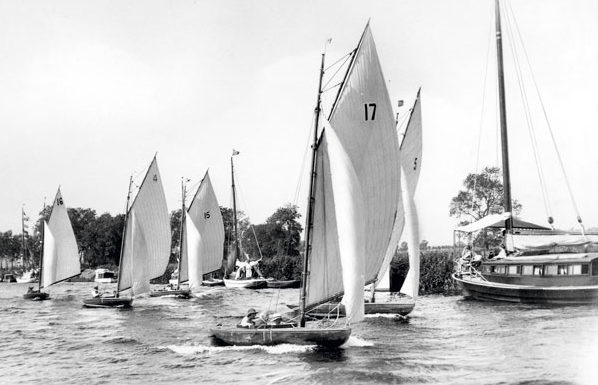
{"points": [[90, 90]]}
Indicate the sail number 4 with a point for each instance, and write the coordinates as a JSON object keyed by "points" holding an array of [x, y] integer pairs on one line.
{"points": [[370, 111]]}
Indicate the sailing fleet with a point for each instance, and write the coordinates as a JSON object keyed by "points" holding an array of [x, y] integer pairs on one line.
{"points": [[361, 203]]}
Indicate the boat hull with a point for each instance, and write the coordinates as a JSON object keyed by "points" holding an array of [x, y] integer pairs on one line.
{"points": [[479, 289], [330, 338], [186, 293], [102, 302], [257, 283], [36, 296], [212, 282], [275, 284], [401, 307]]}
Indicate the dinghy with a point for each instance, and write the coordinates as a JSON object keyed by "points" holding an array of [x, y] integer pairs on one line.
{"points": [[145, 247], [60, 254]]}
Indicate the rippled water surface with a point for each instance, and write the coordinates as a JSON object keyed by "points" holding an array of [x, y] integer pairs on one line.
{"points": [[165, 340]]}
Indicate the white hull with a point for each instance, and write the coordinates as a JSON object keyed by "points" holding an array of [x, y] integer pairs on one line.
{"points": [[105, 280], [245, 283]]}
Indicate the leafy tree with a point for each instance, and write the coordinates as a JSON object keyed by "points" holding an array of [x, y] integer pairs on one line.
{"points": [[175, 228], [423, 245], [483, 195]]}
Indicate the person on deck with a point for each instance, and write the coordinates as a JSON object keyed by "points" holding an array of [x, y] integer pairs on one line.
{"points": [[95, 293], [465, 260], [501, 252], [248, 320]]}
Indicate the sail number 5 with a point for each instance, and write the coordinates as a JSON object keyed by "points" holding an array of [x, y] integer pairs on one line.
{"points": [[370, 111]]}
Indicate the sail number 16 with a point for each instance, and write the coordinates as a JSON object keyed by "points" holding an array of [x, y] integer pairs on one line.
{"points": [[370, 111]]}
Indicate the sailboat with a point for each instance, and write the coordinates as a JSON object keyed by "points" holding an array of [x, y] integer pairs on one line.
{"points": [[349, 159], [406, 219], [202, 239], [536, 270], [31, 275], [145, 247], [407, 158], [240, 271], [60, 254]]}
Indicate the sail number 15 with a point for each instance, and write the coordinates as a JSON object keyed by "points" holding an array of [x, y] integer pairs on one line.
{"points": [[370, 111]]}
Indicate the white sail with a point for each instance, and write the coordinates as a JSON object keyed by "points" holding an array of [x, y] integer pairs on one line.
{"points": [[324, 280], [349, 206], [204, 212], [60, 254], [410, 160], [192, 244], [411, 283], [147, 241], [364, 122]]}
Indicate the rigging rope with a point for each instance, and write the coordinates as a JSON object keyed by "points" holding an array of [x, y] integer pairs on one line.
{"points": [[558, 153], [528, 117]]}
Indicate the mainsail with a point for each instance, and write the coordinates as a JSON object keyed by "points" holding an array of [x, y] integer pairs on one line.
{"points": [[60, 253], [406, 217], [204, 234], [356, 187], [363, 120], [411, 160], [147, 236]]}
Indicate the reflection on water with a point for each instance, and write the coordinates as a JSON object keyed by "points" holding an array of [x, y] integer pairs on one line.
{"points": [[445, 340]]}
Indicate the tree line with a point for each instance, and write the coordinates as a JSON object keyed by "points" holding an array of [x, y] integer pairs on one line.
{"points": [[99, 237]]}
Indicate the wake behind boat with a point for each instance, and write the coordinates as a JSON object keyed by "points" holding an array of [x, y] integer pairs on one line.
{"points": [[346, 159]]}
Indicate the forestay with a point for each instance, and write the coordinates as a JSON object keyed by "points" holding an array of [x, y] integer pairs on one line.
{"points": [[60, 253], [205, 232], [363, 120], [147, 241]]}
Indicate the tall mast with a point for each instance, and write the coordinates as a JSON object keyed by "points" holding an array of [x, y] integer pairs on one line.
{"points": [[122, 242], [41, 256], [183, 214], [506, 175], [23, 248], [312, 193], [232, 172]]}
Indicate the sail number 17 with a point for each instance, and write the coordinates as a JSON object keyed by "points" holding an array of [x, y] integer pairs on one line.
{"points": [[370, 111]]}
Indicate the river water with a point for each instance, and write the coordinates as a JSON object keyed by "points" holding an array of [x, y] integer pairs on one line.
{"points": [[446, 340]]}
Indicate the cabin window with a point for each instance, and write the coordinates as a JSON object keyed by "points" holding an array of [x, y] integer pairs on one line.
{"points": [[528, 270], [595, 268], [486, 269], [550, 269], [585, 269], [493, 269], [538, 269], [562, 270], [501, 269], [515, 270], [574, 269]]}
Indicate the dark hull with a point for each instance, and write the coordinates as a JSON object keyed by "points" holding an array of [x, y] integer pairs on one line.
{"points": [[275, 284], [171, 293], [37, 296], [120, 302], [401, 307], [298, 336], [211, 283], [554, 295]]}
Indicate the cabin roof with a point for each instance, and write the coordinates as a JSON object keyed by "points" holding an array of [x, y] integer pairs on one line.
{"points": [[545, 258]]}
